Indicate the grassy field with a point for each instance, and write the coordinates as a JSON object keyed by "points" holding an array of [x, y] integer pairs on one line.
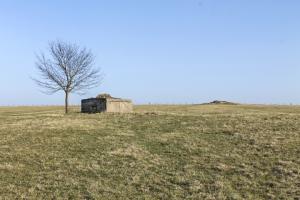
{"points": [[157, 152]]}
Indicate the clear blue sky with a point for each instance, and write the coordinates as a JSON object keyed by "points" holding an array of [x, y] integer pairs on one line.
{"points": [[160, 51]]}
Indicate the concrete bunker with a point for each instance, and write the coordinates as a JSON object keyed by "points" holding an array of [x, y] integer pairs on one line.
{"points": [[106, 103]]}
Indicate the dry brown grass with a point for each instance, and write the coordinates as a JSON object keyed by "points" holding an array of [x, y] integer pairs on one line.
{"points": [[157, 152]]}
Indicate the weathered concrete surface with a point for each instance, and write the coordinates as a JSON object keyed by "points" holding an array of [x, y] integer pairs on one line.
{"points": [[119, 105], [106, 103]]}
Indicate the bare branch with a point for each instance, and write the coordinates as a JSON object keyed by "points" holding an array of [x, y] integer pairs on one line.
{"points": [[69, 68]]}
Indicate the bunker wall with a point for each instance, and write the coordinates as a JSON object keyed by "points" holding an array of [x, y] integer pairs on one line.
{"points": [[119, 106], [93, 105]]}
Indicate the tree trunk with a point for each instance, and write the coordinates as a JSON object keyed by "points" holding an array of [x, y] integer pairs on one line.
{"points": [[66, 103]]}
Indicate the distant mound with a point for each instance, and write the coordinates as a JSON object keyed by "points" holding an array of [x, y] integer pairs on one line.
{"points": [[217, 102]]}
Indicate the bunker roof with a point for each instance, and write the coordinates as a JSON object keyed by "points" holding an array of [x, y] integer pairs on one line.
{"points": [[108, 97]]}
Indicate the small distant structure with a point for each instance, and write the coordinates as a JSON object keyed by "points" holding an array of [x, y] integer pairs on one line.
{"points": [[106, 103], [217, 102]]}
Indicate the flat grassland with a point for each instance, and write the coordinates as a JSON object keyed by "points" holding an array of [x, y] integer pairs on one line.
{"points": [[157, 152]]}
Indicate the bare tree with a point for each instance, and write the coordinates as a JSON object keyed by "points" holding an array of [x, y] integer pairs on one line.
{"points": [[67, 68]]}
